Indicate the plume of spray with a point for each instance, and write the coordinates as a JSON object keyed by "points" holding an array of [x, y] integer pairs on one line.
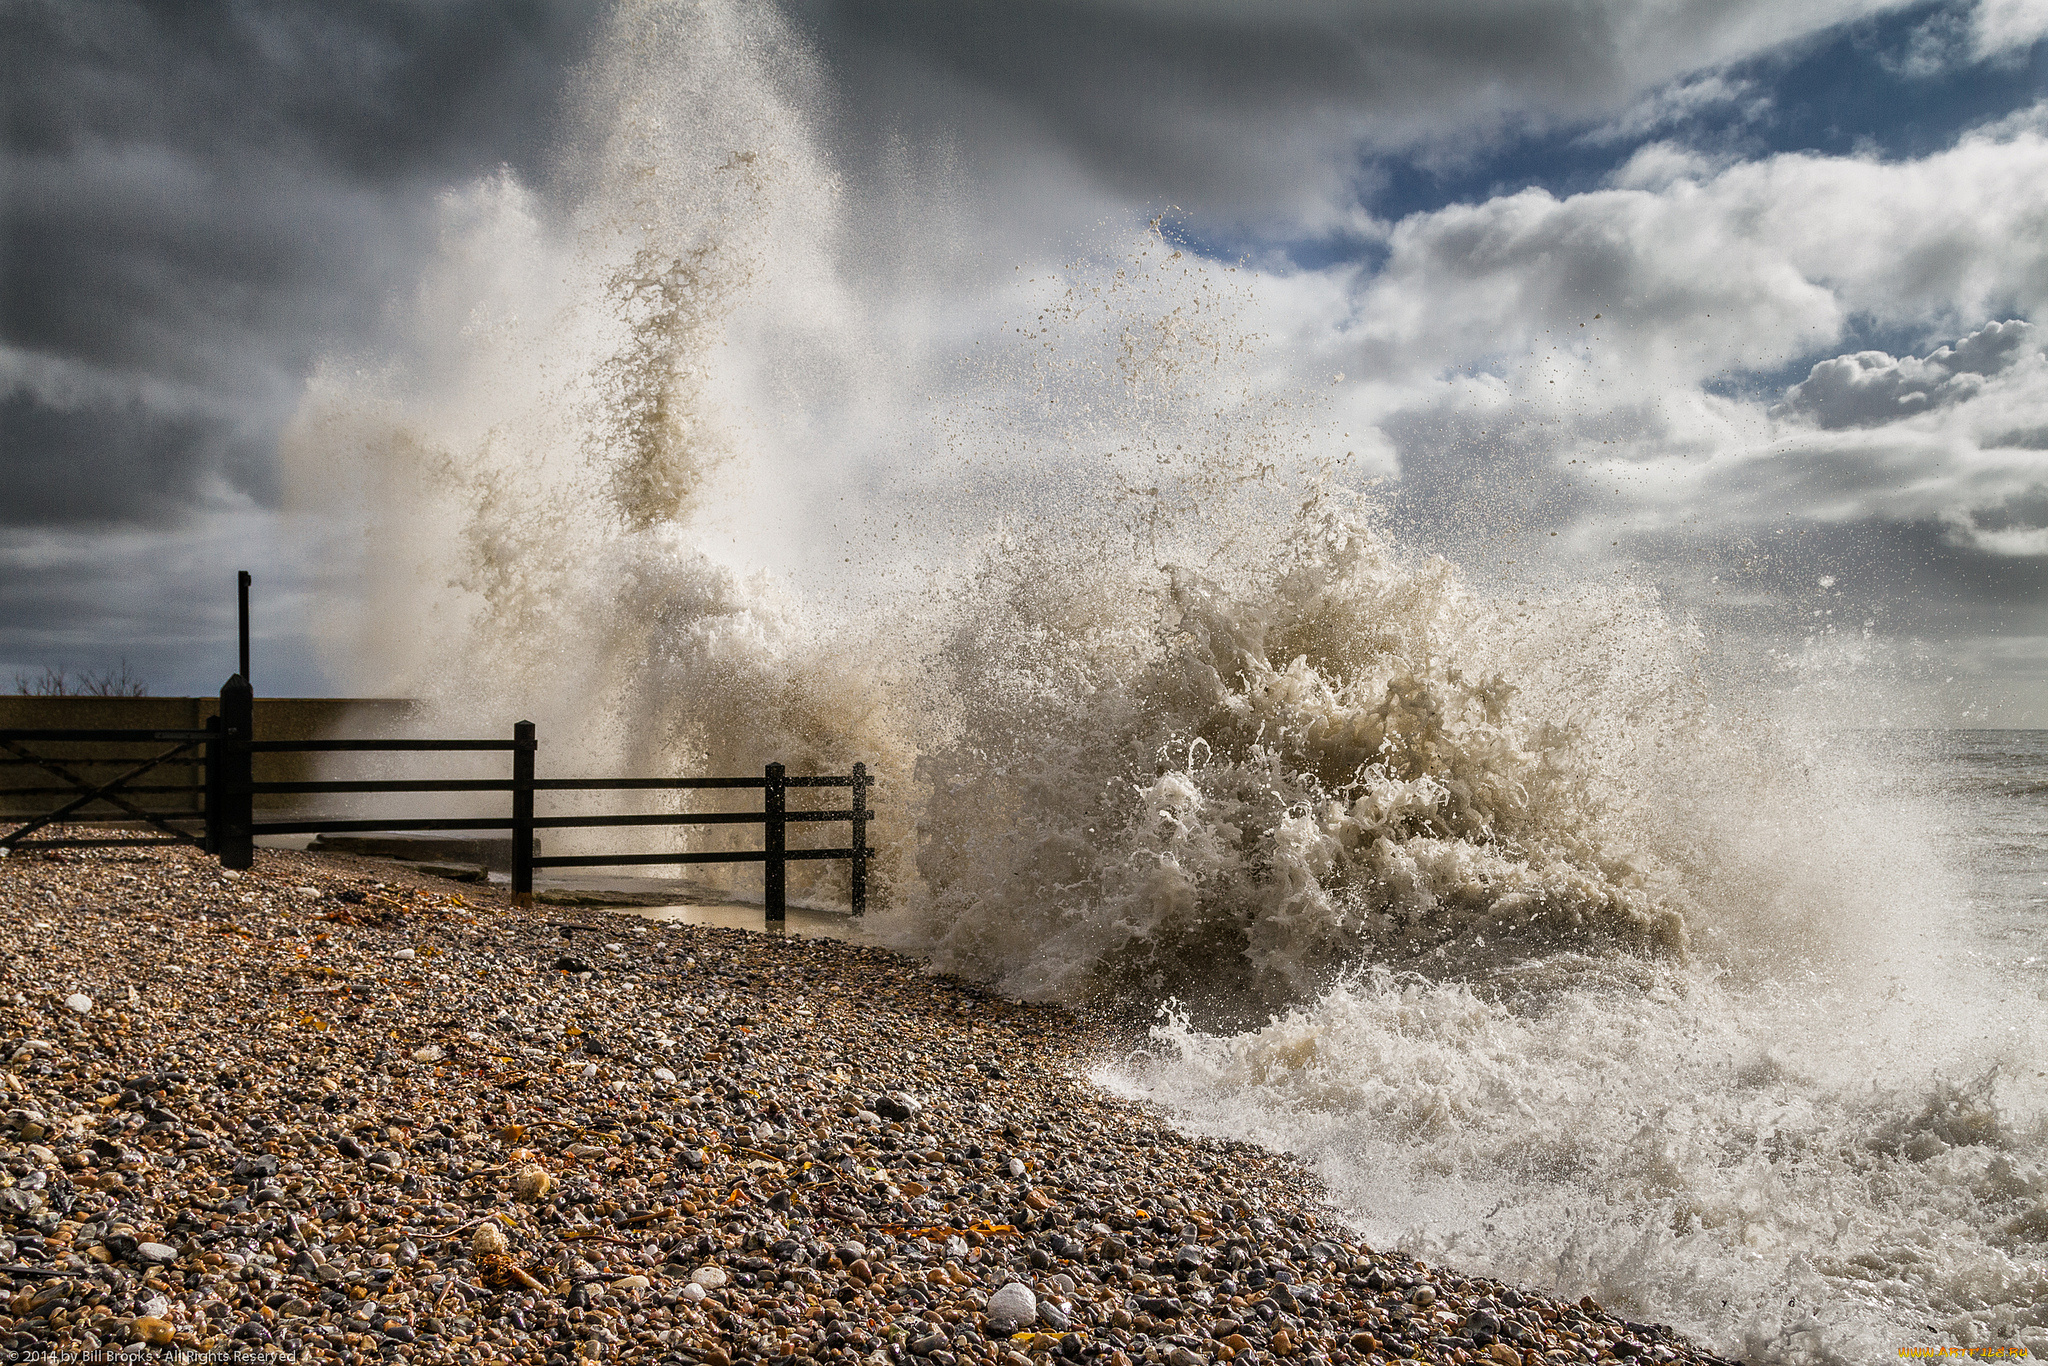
{"points": [[537, 474]]}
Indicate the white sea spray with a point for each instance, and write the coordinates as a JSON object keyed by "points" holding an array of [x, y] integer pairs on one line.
{"points": [[1178, 786], [1563, 954]]}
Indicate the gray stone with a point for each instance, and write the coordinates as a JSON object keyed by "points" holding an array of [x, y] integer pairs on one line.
{"points": [[1012, 1309], [156, 1254], [929, 1343], [1053, 1317]]}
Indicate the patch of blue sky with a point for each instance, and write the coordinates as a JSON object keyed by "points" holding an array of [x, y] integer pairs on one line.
{"points": [[1215, 242], [1896, 86]]}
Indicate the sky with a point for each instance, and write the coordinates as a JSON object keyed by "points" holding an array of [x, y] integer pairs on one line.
{"points": [[1739, 300]]}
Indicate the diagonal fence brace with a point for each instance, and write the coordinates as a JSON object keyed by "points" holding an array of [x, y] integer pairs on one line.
{"points": [[103, 793]]}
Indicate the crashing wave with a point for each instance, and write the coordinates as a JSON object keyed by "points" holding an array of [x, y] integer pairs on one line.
{"points": [[1259, 788]]}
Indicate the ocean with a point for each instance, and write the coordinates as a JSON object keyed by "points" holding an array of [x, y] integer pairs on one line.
{"points": [[1799, 1158]]}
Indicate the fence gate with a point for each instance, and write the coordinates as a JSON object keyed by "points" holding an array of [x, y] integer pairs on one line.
{"points": [[71, 755]]}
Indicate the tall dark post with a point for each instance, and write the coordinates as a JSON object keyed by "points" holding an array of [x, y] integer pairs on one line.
{"points": [[772, 879], [232, 838], [211, 843], [859, 895], [523, 749], [242, 592]]}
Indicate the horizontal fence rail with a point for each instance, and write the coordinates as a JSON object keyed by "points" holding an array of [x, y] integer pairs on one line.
{"points": [[774, 819], [133, 737], [361, 746], [230, 790]]}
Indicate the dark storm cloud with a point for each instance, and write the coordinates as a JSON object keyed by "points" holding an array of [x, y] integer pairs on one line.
{"points": [[115, 461], [205, 197], [1262, 110], [1909, 579], [160, 602]]}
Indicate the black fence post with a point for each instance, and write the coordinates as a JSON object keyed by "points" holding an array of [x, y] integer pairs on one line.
{"points": [[232, 837], [212, 808], [772, 876], [242, 633], [859, 890], [523, 747]]}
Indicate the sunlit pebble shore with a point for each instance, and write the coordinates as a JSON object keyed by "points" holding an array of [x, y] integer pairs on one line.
{"points": [[335, 1109]]}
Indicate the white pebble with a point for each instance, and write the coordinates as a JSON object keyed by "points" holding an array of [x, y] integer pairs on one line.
{"points": [[79, 1002], [693, 1292], [1012, 1308], [404, 954], [709, 1277], [431, 1053]]}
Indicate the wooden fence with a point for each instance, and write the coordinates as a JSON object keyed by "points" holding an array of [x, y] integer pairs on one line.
{"points": [[230, 791]]}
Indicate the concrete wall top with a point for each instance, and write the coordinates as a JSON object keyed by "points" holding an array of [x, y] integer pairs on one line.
{"points": [[277, 718]]}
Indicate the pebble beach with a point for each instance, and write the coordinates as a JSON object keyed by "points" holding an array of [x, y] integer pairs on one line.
{"points": [[335, 1109]]}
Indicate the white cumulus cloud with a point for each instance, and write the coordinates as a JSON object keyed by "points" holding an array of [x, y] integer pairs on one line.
{"points": [[1870, 388]]}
